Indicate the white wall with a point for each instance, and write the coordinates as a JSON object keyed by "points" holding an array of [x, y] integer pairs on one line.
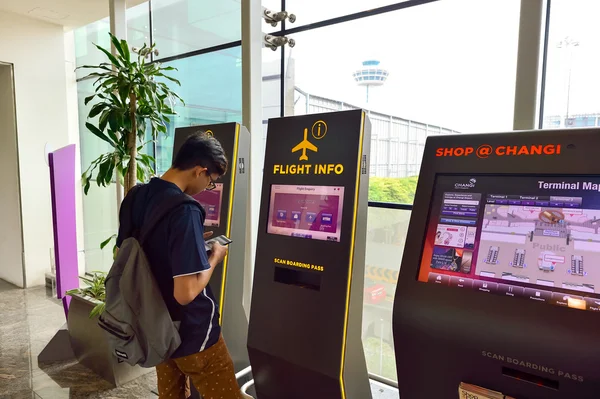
{"points": [[11, 246], [37, 51]]}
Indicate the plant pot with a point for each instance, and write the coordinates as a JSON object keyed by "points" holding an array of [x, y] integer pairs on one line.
{"points": [[90, 345]]}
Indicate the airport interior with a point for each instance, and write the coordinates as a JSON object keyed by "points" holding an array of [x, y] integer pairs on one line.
{"points": [[410, 206]]}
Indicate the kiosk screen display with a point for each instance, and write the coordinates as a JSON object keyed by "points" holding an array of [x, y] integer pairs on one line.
{"points": [[211, 201], [532, 237], [306, 211]]}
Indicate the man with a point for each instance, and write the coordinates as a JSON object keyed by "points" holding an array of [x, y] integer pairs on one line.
{"points": [[182, 269]]}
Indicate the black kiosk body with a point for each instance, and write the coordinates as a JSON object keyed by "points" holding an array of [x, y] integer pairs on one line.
{"points": [[304, 339], [225, 208], [500, 282]]}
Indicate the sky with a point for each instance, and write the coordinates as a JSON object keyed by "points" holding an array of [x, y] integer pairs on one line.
{"points": [[451, 63]]}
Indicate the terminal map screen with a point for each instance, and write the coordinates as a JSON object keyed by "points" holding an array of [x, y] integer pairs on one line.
{"points": [[211, 201], [313, 212], [533, 237]]}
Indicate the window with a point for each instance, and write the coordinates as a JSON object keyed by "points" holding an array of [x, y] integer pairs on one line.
{"points": [[181, 26], [572, 80], [211, 86], [87, 36], [309, 11], [386, 233], [438, 78]]}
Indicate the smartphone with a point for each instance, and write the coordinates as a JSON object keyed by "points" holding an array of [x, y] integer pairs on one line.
{"points": [[223, 240]]}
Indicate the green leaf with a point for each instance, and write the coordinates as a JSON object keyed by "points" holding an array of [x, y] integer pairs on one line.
{"points": [[124, 93], [125, 47], [96, 109], [98, 133], [103, 120], [169, 78], [104, 168], [109, 174], [98, 310], [111, 57], [88, 99], [117, 45], [105, 242]]}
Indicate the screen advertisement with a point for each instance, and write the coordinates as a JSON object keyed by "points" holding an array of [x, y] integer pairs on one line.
{"points": [[532, 237], [211, 202], [313, 212]]}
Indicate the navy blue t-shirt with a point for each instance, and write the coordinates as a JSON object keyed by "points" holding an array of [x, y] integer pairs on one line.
{"points": [[175, 248]]}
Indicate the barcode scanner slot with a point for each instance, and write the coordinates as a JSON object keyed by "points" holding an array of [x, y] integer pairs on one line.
{"points": [[531, 378]]}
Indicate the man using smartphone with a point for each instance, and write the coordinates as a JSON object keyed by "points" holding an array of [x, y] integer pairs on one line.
{"points": [[182, 269]]}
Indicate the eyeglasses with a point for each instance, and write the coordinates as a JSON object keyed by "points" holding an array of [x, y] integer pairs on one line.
{"points": [[211, 184]]}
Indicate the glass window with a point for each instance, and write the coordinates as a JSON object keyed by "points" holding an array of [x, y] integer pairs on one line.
{"points": [[572, 79], [86, 53], [386, 234], [438, 78], [181, 26], [309, 11], [100, 205], [211, 86]]}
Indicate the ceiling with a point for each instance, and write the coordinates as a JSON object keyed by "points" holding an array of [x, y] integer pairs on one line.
{"points": [[68, 13]]}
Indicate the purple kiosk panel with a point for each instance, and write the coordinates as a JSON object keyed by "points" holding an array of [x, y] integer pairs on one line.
{"points": [[62, 188]]}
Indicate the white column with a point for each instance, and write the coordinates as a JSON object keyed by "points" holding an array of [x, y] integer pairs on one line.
{"points": [[531, 27], [252, 118], [118, 27]]}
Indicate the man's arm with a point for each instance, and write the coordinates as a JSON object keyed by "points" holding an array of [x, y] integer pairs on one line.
{"points": [[191, 267], [187, 288]]}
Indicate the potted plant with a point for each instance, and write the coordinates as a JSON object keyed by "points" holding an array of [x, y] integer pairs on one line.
{"points": [[130, 100]]}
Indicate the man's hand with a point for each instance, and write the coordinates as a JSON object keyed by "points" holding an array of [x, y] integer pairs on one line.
{"points": [[217, 253], [207, 235]]}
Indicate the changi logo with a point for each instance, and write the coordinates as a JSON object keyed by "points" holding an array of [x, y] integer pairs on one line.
{"points": [[486, 150], [318, 130], [465, 186]]}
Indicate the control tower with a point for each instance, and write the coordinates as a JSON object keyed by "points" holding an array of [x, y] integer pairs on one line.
{"points": [[371, 74]]}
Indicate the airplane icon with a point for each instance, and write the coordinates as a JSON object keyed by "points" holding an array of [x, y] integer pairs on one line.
{"points": [[305, 145]]}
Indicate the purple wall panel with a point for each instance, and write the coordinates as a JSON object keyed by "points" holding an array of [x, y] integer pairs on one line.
{"points": [[62, 187]]}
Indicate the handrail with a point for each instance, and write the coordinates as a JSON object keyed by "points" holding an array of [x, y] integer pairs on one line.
{"points": [[391, 205]]}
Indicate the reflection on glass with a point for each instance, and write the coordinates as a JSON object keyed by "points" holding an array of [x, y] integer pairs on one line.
{"points": [[572, 80], [181, 26], [386, 234], [86, 52], [211, 86], [442, 76], [309, 11]]}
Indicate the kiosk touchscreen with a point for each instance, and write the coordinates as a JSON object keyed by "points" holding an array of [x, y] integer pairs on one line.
{"points": [[225, 208], [304, 338], [500, 283]]}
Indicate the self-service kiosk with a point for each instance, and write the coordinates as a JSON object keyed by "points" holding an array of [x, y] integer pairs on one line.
{"points": [[304, 338], [225, 208], [500, 283]]}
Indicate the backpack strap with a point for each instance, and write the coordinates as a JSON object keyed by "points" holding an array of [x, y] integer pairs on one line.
{"points": [[163, 209]]}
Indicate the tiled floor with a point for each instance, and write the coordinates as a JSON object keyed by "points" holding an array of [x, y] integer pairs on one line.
{"points": [[28, 321]]}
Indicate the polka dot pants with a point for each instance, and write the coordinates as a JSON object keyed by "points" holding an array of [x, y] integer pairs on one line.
{"points": [[211, 371]]}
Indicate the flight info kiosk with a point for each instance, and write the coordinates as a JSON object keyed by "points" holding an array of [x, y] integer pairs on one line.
{"points": [[225, 208], [304, 339], [500, 282]]}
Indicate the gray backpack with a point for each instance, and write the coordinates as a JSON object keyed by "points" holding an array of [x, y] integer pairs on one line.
{"points": [[136, 320]]}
